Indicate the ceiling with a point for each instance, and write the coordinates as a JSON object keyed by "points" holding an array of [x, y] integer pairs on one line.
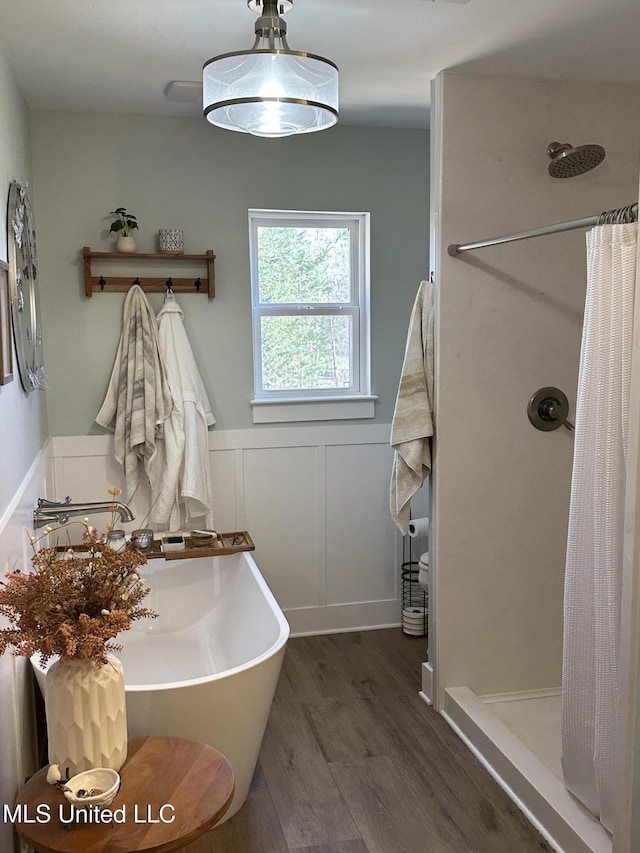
{"points": [[120, 55]]}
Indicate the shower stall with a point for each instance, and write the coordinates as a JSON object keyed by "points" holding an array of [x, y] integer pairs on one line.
{"points": [[509, 323]]}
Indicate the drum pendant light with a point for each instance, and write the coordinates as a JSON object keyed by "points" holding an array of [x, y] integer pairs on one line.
{"points": [[270, 90]]}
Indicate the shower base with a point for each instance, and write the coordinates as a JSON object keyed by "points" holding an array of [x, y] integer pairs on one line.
{"points": [[517, 738]]}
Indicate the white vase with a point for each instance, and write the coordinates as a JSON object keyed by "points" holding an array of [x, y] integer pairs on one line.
{"points": [[171, 240], [125, 244], [86, 715]]}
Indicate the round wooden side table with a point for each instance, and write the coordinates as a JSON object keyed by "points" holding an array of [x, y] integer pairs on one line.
{"points": [[172, 792]]}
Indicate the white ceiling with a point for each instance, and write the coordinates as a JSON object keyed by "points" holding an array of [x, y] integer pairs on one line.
{"points": [[119, 55]]}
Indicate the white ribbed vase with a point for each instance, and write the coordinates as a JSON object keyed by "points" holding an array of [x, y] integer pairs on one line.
{"points": [[86, 715]]}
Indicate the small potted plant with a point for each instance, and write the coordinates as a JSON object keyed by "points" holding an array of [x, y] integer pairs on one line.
{"points": [[123, 225]]}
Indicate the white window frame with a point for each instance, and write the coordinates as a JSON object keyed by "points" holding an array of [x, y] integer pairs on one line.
{"points": [[326, 403]]}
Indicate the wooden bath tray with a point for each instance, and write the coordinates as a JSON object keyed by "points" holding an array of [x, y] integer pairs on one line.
{"points": [[226, 543]]}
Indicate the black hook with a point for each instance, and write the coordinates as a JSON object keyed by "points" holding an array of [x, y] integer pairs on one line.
{"points": [[197, 284], [102, 282], [136, 281]]}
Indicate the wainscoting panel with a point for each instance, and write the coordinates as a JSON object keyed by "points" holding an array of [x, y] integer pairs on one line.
{"points": [[280, 502], [223, 477], [361, 542], [315, 500], [17, 727], [88, 477]]}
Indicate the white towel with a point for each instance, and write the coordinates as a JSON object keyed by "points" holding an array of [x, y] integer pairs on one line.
{"points": [[183, 458], [412, 425], [138, 400]]}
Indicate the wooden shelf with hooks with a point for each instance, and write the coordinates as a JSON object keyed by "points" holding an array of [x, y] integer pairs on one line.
{"points": [[121, 284]]}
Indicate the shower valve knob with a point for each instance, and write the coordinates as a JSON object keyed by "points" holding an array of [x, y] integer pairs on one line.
{"points": [[548, 409]]}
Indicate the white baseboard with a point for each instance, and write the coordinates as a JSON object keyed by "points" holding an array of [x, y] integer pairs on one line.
{"points": [[427, 683], [340, 618]]}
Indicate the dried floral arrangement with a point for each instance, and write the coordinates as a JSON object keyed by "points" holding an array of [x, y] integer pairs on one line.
{"points": [[72, 604]]}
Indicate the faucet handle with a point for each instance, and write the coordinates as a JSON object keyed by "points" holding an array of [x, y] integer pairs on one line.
{"points": [[42, 502]]}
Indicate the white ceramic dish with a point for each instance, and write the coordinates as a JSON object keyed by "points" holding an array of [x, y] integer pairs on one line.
{"points": [[102, 778]]}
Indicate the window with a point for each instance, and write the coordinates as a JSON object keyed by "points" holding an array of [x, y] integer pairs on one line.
{"points": [[310, 298]]}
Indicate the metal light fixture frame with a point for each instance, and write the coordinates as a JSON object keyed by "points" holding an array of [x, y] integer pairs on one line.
{"points": [[272, 27]]}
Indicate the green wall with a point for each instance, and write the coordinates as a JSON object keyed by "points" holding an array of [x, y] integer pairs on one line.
{"points": [[183, 173], [23, 424]]}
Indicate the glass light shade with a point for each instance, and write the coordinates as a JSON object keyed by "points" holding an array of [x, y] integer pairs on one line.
{"points": [[270, 92]]}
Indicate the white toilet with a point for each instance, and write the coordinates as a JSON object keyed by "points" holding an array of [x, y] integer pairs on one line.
{"points": [[423, 571]]}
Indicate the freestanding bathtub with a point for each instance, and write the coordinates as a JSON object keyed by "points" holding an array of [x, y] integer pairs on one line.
{"points": [[206, 669]]}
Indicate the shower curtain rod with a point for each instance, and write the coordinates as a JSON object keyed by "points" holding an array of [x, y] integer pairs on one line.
{"points": [[456, 249]]}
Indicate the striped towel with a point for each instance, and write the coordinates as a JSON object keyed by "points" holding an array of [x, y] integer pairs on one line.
{"points": [[138, 399], [412, 425]]}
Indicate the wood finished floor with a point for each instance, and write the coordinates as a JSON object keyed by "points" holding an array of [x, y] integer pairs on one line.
{"points": [[353, 761]]}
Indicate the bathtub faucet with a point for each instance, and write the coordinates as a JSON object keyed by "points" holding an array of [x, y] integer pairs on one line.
{"points": [[59, 512]]}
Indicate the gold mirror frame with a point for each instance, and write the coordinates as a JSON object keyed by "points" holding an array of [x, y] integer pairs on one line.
{"points": [[23, 288]]}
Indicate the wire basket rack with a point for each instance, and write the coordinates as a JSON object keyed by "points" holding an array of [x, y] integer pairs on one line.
{"points": [[415, 600]]}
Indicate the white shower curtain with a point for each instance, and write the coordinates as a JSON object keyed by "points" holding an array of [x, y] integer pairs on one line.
{"points": [[591, 662]]}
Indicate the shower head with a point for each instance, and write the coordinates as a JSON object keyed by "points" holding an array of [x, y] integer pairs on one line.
{"points": [[567, 161]]}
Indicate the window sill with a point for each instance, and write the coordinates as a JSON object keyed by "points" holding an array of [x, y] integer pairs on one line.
{"points": [[286, 409]]}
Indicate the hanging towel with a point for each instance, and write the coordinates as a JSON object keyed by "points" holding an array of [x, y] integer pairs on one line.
{"points": [[138, 400], [412, 425], [183, 460]]}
